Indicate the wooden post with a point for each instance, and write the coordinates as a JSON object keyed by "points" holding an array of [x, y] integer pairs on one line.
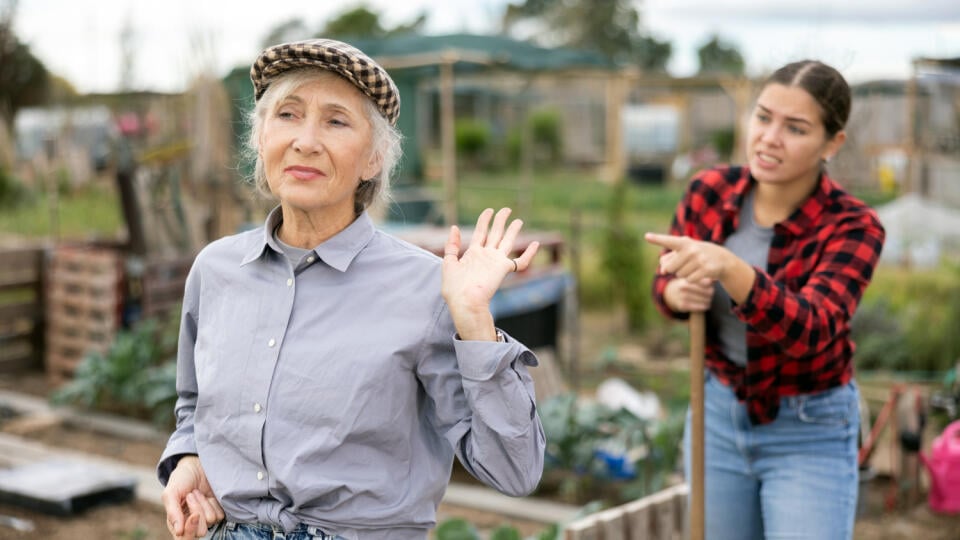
{"points": [[576, 236], [615, 155], [697, 344], [447, 118]]}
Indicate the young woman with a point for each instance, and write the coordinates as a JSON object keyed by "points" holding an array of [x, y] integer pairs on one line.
{"points": [[778, 256]]}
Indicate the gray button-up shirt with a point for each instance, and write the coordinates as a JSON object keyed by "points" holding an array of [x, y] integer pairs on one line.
{"points": [[335, 393]]}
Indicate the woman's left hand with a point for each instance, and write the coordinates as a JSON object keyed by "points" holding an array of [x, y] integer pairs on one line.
{"points": [[470, 280]]}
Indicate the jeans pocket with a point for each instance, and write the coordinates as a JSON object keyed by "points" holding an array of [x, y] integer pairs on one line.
{"points": [[832, 407]]}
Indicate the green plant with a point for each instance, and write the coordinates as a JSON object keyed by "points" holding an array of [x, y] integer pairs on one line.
{"points": [[722, 141], [505, 532], [456, 529], [880, 337], [624, 262], [598, 453], [545, 132], [136, 376], [472, 139], [12, 192]]}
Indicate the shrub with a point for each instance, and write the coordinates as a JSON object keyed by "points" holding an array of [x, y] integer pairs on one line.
{"points": [[624, 262], [12, 192], [546, 134], [456, 529], [472, 140], [136, 376]]}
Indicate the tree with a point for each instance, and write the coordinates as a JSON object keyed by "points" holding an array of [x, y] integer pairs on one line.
{"points": [[719, 57], [610, 27], [358, 22], [361, 22], [23, 78]]}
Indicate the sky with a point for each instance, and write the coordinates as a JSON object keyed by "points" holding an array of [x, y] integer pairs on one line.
{"points": [[177, 39]]}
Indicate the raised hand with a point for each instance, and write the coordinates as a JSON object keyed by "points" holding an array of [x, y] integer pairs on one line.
{"points": [[470, 280]]}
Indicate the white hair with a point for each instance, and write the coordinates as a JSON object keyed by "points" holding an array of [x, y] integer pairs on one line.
{"points": [[385, 138]]}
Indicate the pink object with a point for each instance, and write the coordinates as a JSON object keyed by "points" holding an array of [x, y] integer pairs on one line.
{"points": [[943, 464]]}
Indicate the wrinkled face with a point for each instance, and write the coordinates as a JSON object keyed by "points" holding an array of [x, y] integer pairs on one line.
{"points": [[316, 146], [786, 139]]}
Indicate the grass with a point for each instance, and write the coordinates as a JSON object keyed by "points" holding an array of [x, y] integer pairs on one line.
{"points": [[93, 211]]}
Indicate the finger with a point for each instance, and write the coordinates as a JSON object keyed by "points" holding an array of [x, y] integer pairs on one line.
{"points": [[525, 258], [480, 230], [496, 231], [209, 512], [196, 510], [188, 529], [172, 506], [665, 240], [668, 262], [452, 247], [510, 237]]}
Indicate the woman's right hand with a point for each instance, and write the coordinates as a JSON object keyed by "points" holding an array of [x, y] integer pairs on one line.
{"points": [[189, 501], [684, 296]]}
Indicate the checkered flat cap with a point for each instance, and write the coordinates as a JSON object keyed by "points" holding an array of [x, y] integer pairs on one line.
{"points": [[332, 55]]}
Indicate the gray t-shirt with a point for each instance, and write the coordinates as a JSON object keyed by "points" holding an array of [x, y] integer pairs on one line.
{"points": [[751, 243]]}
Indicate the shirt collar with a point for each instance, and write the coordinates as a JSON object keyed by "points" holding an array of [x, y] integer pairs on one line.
{"points": [[809, 212], [338, 251], [802, 218]]}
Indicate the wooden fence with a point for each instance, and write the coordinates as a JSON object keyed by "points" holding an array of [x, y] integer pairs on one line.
{"points": [[21, 308], [661, 516]]}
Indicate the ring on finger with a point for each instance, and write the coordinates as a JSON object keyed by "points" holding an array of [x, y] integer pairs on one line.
{"points": [[515, 267]]}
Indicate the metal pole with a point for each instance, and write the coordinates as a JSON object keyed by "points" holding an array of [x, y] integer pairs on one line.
{"points": [[697, 343]]}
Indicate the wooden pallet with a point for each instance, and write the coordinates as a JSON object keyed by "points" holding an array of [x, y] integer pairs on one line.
{"points": [[83, 306]]}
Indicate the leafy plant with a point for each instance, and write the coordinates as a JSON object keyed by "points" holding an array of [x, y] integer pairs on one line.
{"points": [[136, 376], [880, 337], [505, 532], [12, 192], [601, 453], [472, 139], [545, 132], [456, 529], [624, 262]]}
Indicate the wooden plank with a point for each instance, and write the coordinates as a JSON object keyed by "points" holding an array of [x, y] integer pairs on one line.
{"points": [[613, 525], [583, 529], [20, 310]]}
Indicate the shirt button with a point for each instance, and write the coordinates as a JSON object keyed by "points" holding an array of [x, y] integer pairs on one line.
{"points": [[289, 282], [271, 343], [310, 259], [259, 475], [257, 407]]}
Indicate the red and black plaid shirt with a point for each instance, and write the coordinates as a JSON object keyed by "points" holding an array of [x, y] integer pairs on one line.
{"points": [[798, 312]]}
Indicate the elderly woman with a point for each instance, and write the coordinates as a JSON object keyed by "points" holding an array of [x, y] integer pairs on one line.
{"points": [[329, 372]]}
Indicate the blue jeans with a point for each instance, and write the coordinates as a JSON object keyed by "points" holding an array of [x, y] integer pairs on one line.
{"points": [[228, 530], [795, 477]]}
